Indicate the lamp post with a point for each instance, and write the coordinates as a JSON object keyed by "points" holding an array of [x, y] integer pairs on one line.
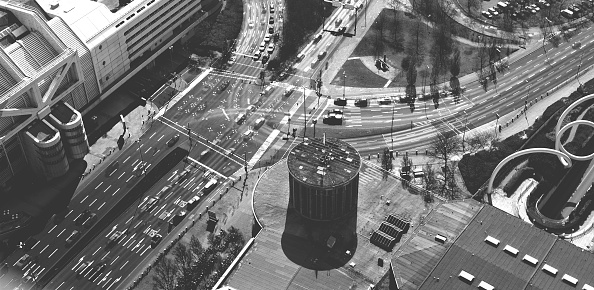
{"points": [[171, 54], [496, 123], [464, 132], [392, 126], [314, 123], [289, 128], [577, 74], [304, 115], [344, 84]]}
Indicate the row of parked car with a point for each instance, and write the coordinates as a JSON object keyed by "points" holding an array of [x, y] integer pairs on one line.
{"points": [[577, 9], [517, 9]]}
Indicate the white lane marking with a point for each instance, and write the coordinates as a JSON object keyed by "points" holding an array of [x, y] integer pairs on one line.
{"points": [[44, 249], [60, 233], [121, 175], [115, 192], [52, 228], [126, 159], [93, 202], [99, 185], [107, 188], [122, 267], [101, 206], [160, 137], [129, 178], [52, 253]]}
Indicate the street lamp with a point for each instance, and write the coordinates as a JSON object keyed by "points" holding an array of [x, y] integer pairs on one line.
{"points": [[344, 84], [304, 115], [464, 132], [171, 54], [392, 127], [289, 128], [314, 123], [496, 123]]}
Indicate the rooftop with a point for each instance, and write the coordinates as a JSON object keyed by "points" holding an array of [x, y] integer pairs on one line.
{"points": [[419, 254], [40, 130], [503, 251], [324, 161], [63, 113]]}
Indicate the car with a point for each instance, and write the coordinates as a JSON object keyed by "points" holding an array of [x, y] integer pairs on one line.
{"points": [[267, 38], [97, 270], [486, 14], [82, 267], [23, 261], [257, 55], [184, 175], [173, 140], [258, 123], [336, 112], [318, 37], [240, 118], [90, 220], [231, 151], [265, 59], [270, 28], [270, 48], [73, 237], [385, 101], [248, 134], [251, 24], [164, 190], [150, 204], [210, 185], [333, 119], [340, 101], [116, 237], [271, 21], [80, 219], [155, 240], [288, 91], [232, 59], [342, 30], [251, 108], [361, 103], [204, 153], [262, 46], [224, 86], [577, 45]]}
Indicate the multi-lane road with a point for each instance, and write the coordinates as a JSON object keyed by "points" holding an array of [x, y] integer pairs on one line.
{"points": [[209, 110]]}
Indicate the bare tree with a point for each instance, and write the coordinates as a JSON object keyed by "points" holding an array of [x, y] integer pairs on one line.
{"points": [[443, 147], [386, 162], [471, 5], [429, 178], [183, 256], [166, 273], [196, 246], [481, 140]]}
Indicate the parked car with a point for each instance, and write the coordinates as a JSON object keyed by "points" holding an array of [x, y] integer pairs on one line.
{"points": [[257, 55], [248, 134], [259, 122], [23, 261], [240, 118], [155, 240]]}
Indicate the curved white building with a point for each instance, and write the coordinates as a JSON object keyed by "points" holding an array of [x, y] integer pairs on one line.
{"points": [[59, 58]]}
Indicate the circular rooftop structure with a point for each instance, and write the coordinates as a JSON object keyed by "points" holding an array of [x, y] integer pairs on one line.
{"points": [[324, 178]]}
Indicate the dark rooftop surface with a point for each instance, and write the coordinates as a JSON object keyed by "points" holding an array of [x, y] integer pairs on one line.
{"points": [[63, 113], [324, 164], [418, 255], [497, 264], [40, 130]]}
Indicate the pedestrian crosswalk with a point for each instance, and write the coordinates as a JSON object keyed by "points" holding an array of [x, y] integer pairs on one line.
{"points": [[369, 175]]}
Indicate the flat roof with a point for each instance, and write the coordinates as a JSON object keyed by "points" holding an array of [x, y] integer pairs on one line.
{"points": [[63, 113], [418, 255], [40, 130], [503, 251], [324, 162]]}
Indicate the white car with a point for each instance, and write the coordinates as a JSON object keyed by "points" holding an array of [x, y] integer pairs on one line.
{"points": [[251, 24], [262, 46], [270, 48], [267, 37]]}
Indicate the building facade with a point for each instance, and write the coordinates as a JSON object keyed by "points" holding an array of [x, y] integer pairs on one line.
{"points": [[61, 58]]}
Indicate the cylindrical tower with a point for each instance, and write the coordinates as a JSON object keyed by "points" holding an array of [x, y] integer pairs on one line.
{"points": [[324, 178]]}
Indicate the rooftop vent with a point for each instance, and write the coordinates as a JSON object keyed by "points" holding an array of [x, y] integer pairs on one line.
{"points": [[466, 276], [568, 279], [440, 239], [485, 286], [530, 260], [493, 241], [550, 269], [511, 250]]}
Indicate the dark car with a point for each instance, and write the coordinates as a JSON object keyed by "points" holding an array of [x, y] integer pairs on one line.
{"points": [[333, 119], [361, 103], [385, 101], [265, 59], [173, 140], [96, 271], [90, 220], [82, 217], [340, 102], [155, 240], [224, 85]]}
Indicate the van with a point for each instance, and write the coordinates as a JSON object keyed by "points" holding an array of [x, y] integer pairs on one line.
{"points": [[210, 186]]}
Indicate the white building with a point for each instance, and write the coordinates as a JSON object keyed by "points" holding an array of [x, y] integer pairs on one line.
{"points": [[59, 58]]}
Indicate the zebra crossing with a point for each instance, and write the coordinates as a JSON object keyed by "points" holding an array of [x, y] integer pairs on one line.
{"points": [[455, 123], [369, 175], [353, 117]]}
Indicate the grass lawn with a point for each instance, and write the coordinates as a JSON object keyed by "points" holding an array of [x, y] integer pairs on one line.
{"points": [[394, 51], [358, 75]]}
